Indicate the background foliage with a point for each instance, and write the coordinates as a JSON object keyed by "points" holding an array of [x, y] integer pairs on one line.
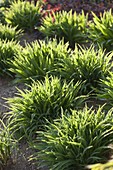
{"points": [[71, 27], [23, 15]]}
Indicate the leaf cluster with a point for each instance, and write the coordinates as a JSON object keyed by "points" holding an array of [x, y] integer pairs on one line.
{"points": [[92, 65], [7, 143], [8, 32], [70, 26], [75, 140], [8, 49], [6, 3], [106, 166], [43, 100], [39, 59], [106, 91], [101, 30], [87, 64], [23, 15], [2, 17]]}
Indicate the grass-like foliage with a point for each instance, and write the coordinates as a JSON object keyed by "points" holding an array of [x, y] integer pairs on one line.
{"points": [[7, 144], [8, 49], [6, 3], [74, 141], [101, 30], [38, 59], [9, 33], [73, 27], [43, 101], [99, 166], [87, 64], [106, 91], [2, 17], [52, 58], [24, 15]]}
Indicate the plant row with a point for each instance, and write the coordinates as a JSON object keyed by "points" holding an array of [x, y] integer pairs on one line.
{"points": [[86, 64], [73, 27]]}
